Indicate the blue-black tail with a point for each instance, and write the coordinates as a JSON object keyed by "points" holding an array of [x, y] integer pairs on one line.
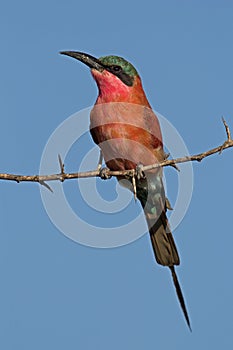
{"points": [[150, 192]]}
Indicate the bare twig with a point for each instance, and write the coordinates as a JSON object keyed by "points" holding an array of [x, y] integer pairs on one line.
{"points": [[227, 129], [62, 176]]}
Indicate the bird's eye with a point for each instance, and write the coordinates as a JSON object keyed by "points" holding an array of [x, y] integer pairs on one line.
{"points": [[116, 69]]}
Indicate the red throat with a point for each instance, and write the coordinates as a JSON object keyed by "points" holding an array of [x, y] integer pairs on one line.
{"points": [[112, 89]]}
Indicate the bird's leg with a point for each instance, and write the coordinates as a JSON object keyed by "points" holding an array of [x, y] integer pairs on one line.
{"points": [[103, 172], [100, 161], [138, 175]]}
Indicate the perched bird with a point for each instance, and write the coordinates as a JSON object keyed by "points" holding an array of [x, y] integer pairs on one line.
{"points": [[128, 133]]}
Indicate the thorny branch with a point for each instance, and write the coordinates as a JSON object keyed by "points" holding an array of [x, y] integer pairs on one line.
{"points": [[62, 176]]}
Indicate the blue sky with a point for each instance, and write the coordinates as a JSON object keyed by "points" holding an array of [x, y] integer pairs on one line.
{"points": [[57, 294]]}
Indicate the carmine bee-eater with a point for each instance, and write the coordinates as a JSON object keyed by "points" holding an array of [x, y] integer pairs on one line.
{"points": [[129, 136]]}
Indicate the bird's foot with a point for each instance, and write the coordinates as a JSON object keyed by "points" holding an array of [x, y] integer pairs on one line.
{"points": [[104, 174], [139, 173]]}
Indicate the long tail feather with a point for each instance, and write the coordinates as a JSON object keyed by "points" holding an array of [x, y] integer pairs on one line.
{"points": [[166, 254], [180, 295], [154, 203]]}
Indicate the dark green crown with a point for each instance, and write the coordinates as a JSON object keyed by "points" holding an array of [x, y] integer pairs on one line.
{"points": [[127, 67], [120, 67]]}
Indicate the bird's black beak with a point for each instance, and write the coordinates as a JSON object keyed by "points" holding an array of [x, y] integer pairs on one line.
{"points": [[87, 59]]}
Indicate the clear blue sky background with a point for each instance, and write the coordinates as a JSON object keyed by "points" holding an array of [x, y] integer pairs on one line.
{"points": [[57, 294]]}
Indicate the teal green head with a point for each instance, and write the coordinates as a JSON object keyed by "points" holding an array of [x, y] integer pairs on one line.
{"points": [[116, 65]]}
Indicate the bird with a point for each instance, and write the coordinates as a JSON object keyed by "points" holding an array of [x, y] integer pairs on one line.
{"points": [[124, 126]]}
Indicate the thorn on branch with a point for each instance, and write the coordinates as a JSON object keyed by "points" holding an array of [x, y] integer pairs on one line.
{"points": [[43, 183], [62, 167], [175, 167], [227, 129]]}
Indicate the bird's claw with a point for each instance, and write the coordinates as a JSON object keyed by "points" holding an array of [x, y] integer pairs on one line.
{"points": [[104, 174], [139, 173]]}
